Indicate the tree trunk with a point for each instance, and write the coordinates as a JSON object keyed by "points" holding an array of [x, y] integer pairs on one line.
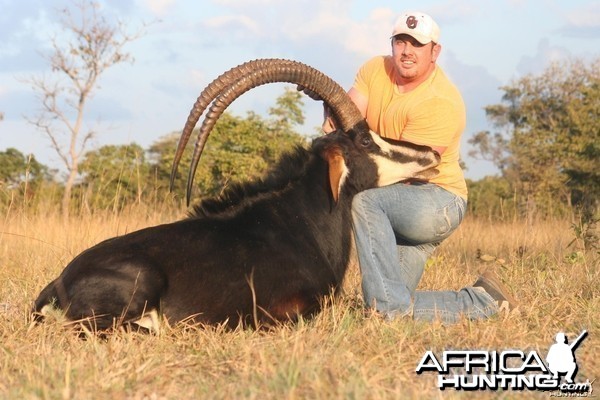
{"points": [[66, 199]]}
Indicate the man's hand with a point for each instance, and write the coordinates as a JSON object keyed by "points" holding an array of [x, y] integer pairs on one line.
{"points": [[328, 124]]}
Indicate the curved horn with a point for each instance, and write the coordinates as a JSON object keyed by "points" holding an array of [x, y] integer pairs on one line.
{"points": [[259, 72], [207, 95]]}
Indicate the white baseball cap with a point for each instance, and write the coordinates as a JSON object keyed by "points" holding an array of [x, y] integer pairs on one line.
{"points": [[418, 25]]}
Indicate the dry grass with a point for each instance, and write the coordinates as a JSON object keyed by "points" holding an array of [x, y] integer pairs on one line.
{"points": [[341, 354]]}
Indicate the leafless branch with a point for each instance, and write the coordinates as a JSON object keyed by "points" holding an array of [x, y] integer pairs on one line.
{"points": [[93, 44]]}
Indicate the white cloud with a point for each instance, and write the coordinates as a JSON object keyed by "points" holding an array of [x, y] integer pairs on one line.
{"points": [[158, 7], [240, 24], [517, 3], [371, 36], [546, 54], [454, 11], [585, 17], [279, 26], [197, 78], [327, 23], [238, 3]]}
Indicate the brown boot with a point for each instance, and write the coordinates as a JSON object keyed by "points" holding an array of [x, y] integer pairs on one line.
{"points": [[490, 282]]}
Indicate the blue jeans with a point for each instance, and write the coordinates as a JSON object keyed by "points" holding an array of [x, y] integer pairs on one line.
{"points": [[396, 228]]}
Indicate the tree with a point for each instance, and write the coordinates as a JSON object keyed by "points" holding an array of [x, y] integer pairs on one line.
{"points": [[114, 175], [288, 111], [548, 143], [491, 198], [17, 168], [21, 174], [91, 45], [238, 149]]}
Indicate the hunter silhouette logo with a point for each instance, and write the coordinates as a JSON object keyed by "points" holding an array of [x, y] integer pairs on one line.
{"points": [[510, 369], [561, 356]]}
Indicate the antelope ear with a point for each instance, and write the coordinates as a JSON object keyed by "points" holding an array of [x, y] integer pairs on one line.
{"points": [[337, 170]]}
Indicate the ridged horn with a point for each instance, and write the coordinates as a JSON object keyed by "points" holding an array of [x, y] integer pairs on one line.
{"points": [[235, 82]]}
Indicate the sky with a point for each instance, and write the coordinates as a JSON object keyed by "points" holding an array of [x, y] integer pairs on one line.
{"points": [[187, 43]]}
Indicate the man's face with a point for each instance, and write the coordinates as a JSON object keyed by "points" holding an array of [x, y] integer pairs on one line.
{"points": [[414, 61]]}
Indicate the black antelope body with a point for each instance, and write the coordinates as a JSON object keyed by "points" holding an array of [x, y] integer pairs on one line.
{"points": [[264, 251]]}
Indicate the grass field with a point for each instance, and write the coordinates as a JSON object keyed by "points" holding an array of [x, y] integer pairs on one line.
{"points": [[344, 353]]}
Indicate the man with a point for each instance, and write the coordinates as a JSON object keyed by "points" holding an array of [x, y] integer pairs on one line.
{"points": [[397, 227]]}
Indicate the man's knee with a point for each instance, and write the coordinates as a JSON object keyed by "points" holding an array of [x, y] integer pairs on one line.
{"points": [[359, 202], [366, 199]]}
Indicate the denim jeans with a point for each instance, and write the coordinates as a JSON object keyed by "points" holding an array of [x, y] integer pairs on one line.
{"points": [[396, 229]]}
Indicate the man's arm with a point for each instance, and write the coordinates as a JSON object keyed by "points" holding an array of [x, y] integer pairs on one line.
{"points": [[359, 99], [362, 101]]}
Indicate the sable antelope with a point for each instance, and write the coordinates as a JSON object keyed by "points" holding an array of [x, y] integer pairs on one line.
{"points": [[264, 251]]}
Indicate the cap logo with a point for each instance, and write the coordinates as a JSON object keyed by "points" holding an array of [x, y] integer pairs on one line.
{"points": [[411, 22]]}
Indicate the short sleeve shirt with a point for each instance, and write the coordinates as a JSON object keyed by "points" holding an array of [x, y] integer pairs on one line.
{"points": [[432, 114]]}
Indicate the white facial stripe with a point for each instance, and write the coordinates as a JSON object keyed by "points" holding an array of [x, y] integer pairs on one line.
{"points": [[385, 146], [391, 172], [389, 148]]}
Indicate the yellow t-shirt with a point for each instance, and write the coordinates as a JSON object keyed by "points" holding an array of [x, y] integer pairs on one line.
{"points": [[432, 114]]}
